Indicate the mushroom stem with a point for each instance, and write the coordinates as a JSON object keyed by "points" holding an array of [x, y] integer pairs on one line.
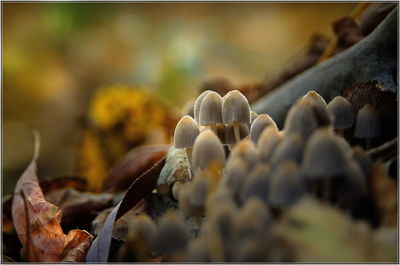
{"points": [[189, 157], [236, 132]]}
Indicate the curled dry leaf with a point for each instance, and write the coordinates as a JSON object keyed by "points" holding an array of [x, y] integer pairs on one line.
{"points": [[135, 163], [37, 223]]}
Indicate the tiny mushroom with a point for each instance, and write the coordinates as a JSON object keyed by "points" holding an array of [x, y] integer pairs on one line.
{"points": [[207, 149], [320, 108], [259, 124], [367, 124], [301, 119], [235, 111], [197, 104], [267, 142], [210, 111], [342, 112], [185, 134]]}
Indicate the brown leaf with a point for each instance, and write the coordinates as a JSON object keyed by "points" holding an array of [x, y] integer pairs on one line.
{"points": [[135, 163], [79, 208], [37, 222], [384, 193]]}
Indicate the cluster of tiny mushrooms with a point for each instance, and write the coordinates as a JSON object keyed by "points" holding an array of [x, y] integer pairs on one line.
{"points": [[242, 165]]}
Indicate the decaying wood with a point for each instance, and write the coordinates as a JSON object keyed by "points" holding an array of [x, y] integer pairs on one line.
{"points": [[373, 58]]}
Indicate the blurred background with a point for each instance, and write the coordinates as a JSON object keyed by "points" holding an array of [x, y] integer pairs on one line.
{"points": [[56, 57]]}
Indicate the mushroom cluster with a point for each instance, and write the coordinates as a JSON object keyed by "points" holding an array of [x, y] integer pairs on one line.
{"points": [[246, 173]]}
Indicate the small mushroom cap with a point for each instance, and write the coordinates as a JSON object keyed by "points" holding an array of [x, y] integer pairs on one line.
{"points": [[323, 156], [342, 112], [285, 184], [197, 104], [367, 123], [291, 147], [301, 119], [222, 221], [236, 171], [315, 97], [199, 191], [322, 115], [247, 151], [207, 149], [267, 142], [210, 109], [235, 108], [188, 108], [186, 132], [253, 219], [143, 227], [256, 183], [171, 227], [230, 133], [259, 124], [346, 147]]}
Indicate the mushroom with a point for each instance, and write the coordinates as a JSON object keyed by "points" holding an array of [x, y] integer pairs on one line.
{"points": [[210, 111], [171, 227], [290, 148], [267, 142], [198, 196], [236, 170], [285, 185], [320, 108], [259, 124], [185, 205], [235, 111], [256, 183], [246, 150], [342, 112], [367, 124], [197, 104], [230, 139], [185, 134], [197, 250], [207, 150], [301, 119], [176, 188], [324, 159]]}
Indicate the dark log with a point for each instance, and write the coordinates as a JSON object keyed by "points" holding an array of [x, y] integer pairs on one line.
{"points": [[373, 58]]}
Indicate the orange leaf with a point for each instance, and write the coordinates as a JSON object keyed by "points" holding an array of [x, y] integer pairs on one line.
{"points": [[37, 223]]}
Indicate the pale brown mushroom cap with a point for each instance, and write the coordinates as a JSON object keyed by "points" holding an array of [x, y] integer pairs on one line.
{"points": [[367, 123], [342, 112], [197, 104], [267, 142], [285, 184], [247, 151], [256, 183], [185, 205], [300, 119], [199, 191], [171, 227], [207, 149], [144, 227], [259, 124], [186, 132], [176, 188], [291, 148], [210, 109], [235, 108], [320, 108], [323, 156]]}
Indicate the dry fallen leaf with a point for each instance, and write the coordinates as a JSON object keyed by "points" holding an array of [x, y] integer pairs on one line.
{"points": [[135, 163], [37, 223]]}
